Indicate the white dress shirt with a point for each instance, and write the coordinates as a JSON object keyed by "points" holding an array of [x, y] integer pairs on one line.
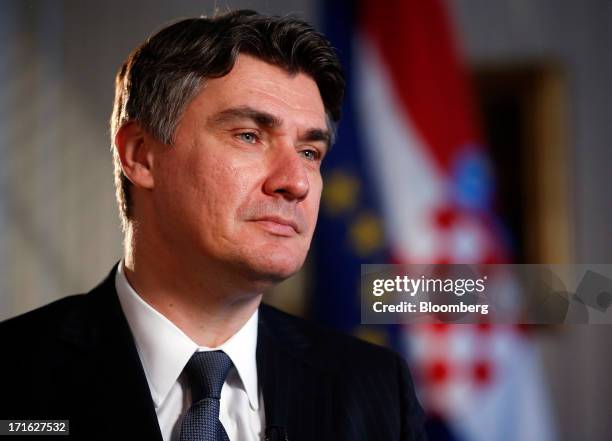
{"points": [[164, 351]]}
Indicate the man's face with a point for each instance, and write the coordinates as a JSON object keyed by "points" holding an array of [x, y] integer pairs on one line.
{"points": [[240, 187]]}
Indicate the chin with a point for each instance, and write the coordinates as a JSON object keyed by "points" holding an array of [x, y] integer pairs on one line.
{"points": [[277, 272], [274, 266]]}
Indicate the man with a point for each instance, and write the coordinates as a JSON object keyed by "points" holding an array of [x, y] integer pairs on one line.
{"points": [[219, 129]]}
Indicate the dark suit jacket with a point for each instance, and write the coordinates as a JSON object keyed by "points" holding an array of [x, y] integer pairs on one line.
{"points": [[76, 359]]}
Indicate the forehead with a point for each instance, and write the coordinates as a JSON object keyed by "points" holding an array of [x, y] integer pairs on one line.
{"points": [[294, 99]]}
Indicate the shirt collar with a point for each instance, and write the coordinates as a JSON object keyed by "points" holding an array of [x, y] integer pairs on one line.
{"points": [[164, 349]]}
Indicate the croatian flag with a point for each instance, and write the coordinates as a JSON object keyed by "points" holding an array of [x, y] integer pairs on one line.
{"points": [[409, 182]]}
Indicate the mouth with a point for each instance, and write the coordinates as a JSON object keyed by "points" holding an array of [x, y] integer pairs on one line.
{"points": [[278, 226]]}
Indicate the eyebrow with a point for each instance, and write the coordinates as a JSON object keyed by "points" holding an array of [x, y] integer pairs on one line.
{"points": [[260, 117], [267, 120], [315, 135]]}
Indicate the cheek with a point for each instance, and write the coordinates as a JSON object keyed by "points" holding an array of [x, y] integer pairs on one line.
{"points": [[224, 187], [314, 200], [193, 186]]}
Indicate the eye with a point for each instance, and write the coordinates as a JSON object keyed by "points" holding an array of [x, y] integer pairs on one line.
{"points": [[248, 137], [310, 154]]}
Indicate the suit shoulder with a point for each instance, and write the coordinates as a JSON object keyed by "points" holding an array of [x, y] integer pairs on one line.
{"points": [[43, 319], [337, 349]]}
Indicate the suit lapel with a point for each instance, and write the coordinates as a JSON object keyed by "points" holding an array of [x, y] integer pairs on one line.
{"points": [[120, 404], [296, 393]]}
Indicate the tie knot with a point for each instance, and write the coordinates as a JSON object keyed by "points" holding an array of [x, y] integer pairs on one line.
{"points": [[206, 372]]}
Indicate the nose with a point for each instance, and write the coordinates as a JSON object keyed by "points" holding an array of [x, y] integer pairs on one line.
{"points": [[287, 175]]}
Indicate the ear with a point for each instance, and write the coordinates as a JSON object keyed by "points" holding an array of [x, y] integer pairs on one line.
{"points": [[136, 154]]}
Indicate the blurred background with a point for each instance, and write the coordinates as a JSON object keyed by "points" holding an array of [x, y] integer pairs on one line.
{"points": [[473, 131]]}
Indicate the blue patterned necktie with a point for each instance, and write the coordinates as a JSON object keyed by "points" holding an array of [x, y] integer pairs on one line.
{"points": [[206, 372]]}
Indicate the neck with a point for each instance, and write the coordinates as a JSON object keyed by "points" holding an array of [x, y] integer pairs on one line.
{"points": [[207, 307]]}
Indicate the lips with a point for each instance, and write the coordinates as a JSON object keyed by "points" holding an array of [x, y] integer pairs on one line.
{"points": [[278, 225]]}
